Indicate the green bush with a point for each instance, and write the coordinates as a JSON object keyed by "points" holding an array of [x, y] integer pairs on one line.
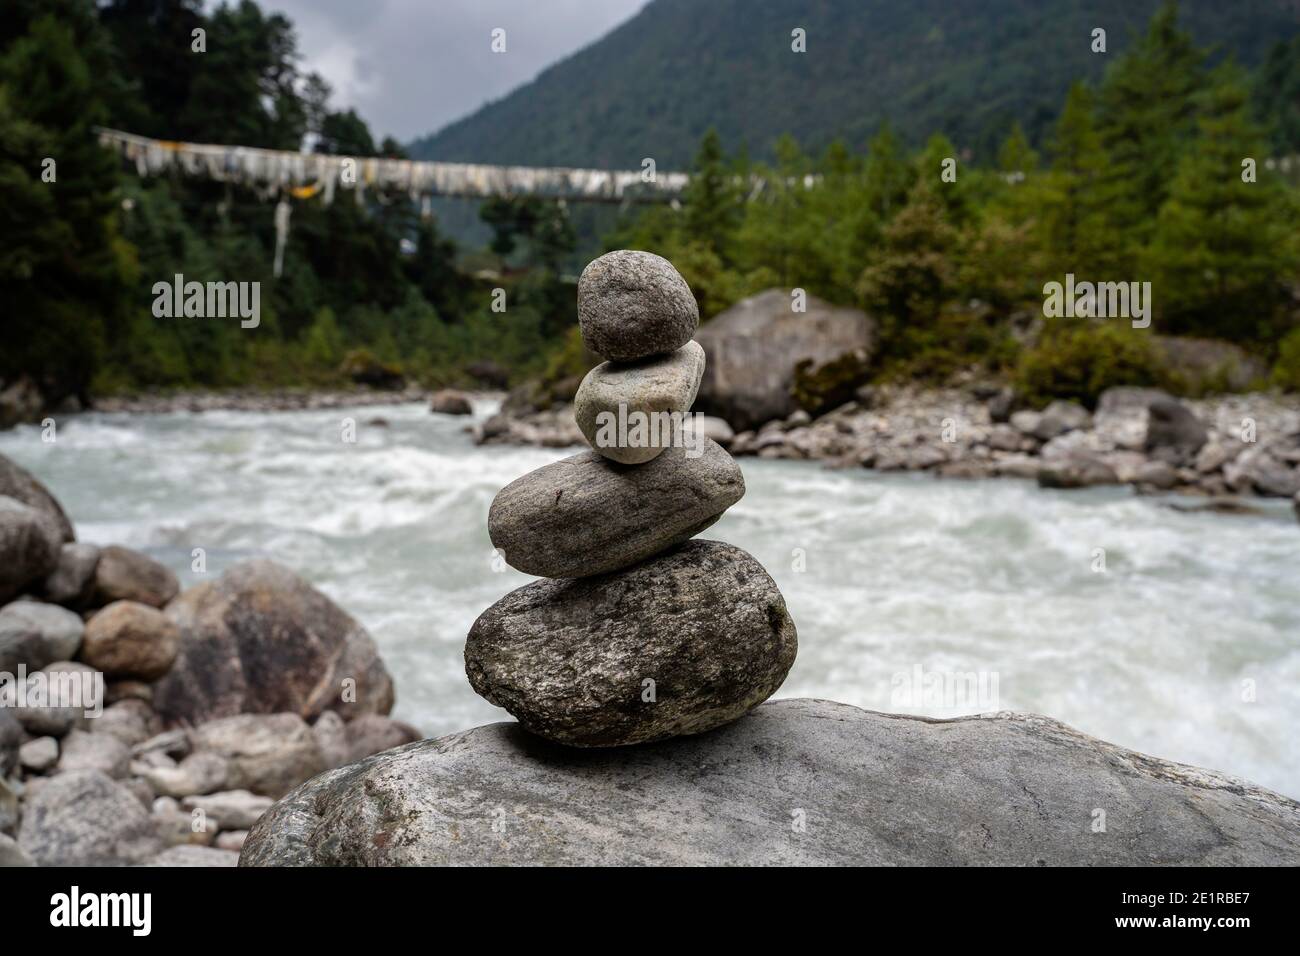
{"points": [[1082, 359], [1286, 370]]}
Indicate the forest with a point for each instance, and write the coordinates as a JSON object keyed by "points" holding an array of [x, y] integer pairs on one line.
{"points": [[1171, 169]]}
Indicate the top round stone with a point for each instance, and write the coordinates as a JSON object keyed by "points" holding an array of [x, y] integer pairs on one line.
{"points": [[632, 305]]}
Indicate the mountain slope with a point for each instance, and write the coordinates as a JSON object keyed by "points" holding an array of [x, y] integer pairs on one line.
{"points": [[965, 67]]}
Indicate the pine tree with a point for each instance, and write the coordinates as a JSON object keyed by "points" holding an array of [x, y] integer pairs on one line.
{"points": [[1070, 197], [1147, 110], [712, 200], [1221, 247]]}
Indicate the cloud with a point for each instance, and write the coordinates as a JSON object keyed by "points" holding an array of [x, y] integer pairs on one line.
{"points": [[409, 67]]}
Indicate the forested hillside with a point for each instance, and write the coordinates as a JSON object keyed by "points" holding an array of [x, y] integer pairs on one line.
{"points": [[970, 68]]}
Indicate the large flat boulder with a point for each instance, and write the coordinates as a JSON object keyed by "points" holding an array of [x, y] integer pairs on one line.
{"points": [[261, 640], [754, 347], [804, 782]]}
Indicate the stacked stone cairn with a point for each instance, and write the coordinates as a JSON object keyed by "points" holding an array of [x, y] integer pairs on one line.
{"points": [[638, 632]]}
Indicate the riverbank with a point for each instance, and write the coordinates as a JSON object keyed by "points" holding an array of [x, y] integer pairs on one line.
{"points": [[1221, 449], [256, 400]]}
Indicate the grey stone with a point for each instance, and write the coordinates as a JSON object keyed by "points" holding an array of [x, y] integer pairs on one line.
{"points": [[1060, 417], [868, 789], [177, 827], [332, 738], [59, 682], [29, 547], [122, 574], [1075, 471], [11, 738], [705, 625], [128, 639], [373, 733], [72, 582], [268, 753], [450, 402], [130, 721], [1158, 474], [755, 346], [84, 818], [1025, 421], [196, 774], [586, 515], [56, 633], [174, 743], [17, 482], [231, 810], [10, 791], [651, 390], [1124, 398], [39, 754], [231, 840], [1174, 434], [634, 304], [189, 855], [102, 752], [260, 639], [11, 854]]}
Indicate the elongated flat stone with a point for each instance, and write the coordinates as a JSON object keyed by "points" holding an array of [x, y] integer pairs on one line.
{"points": [[587, 515], [679, 644], [630, 412]]}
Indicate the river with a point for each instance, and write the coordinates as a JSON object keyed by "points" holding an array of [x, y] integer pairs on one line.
{"points": [[910, 594]]}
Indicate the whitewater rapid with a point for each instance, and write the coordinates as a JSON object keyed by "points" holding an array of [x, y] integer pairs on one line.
{"points": [[910, 594]]}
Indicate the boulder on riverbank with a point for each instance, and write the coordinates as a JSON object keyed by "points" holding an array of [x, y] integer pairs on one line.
{"points": [[804, 782], [260, 639], [754, 347]]}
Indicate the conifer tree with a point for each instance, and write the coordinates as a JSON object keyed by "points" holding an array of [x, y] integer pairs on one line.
{"points": [[1221, 248]]}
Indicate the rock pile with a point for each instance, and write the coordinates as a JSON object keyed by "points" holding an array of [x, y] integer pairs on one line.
{"points": [[142, 723], [641, 634]]}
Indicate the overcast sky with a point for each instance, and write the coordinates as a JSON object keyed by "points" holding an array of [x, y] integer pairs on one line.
{"points": [[409, 67]]}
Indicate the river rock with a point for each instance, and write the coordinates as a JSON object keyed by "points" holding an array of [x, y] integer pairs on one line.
{"points": [[29, 546], [373, 733], [17, 482], [39, 755], [51, 686], [122, 574], [35, 634], [189, 855], [232, 809], [586, 515], [634, 304], [868, 789], [267, 753], [755, 347], [450, 402], [72, 582], [199, 773], [11, 854], [84, 818], [259, 639], [1075, 471], [82, 750], [11, 739], [635, 391], [130, 639], [130, 721], [1060, 417], [677, 645], [1174, 434]]}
